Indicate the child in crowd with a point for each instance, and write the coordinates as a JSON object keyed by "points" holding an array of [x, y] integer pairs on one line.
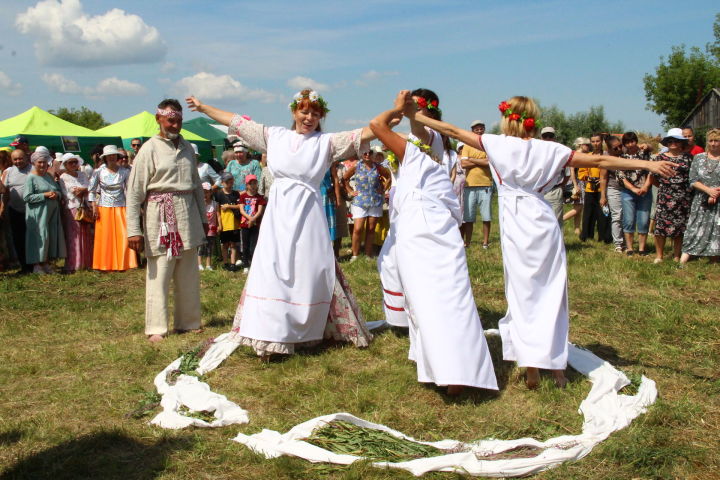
{"points": [[206, 251], [229, 220], [253, 205]]}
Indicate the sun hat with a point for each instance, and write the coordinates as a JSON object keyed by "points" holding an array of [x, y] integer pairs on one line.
{"points": [[582, 141], [475, 123], [675, 134], [376, 149], [226, 176], [70, 156], [240, 147], [547, 130], [109, 150], [250, 178]]}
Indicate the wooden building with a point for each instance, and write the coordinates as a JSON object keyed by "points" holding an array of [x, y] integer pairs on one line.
{"points": [[706, 114]]}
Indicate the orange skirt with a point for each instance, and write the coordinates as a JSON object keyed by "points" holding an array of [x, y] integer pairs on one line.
{"points": [[111, 251]]}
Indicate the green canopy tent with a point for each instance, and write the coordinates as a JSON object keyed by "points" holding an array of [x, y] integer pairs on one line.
{"points": [[204, 127], [43, 128], [144, 126]]}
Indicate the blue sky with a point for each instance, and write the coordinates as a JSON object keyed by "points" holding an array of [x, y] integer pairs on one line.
{"points": [[120, 58]]}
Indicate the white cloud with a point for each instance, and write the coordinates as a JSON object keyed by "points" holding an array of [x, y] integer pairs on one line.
{"points": [[209, 86], [65, 36], [8, 86], [372, 76], [299, 83], [112, 86]]}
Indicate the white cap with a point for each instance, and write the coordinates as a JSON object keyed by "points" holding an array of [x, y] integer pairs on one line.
{"points": [[547, 130]]}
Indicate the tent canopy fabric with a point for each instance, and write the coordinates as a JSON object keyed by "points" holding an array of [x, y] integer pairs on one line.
{"points": [[43, 128], [144, 126], [207, 128]]}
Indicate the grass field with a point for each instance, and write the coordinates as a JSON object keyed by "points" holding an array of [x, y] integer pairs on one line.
{"points": [[74, 362]]}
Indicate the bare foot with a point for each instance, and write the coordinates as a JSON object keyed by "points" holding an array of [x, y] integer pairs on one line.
{"points": [[455, 390], [559, 378], [155, 338], [532, 377]]}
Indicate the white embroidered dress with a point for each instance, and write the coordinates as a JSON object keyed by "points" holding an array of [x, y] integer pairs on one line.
{"points": [[393, 296], [535, 329], [446, 336], [290, 286]]}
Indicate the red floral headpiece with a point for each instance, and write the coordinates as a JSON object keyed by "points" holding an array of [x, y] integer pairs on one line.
{"points": [[528, 122], [422, 102]]}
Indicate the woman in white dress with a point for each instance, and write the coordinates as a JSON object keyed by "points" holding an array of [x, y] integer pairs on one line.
{"points": [[446, 335], [535, 329], [428, 103], [295, 293]]}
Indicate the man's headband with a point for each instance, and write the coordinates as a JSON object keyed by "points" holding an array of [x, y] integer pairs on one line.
{"points": [[169, 112]]}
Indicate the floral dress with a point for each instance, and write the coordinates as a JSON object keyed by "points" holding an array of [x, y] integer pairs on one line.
{"points": [[673, 198], [702, 237], [367, 186]]}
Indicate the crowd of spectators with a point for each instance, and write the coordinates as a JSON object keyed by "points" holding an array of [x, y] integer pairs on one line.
{"points": [[60, 207]]}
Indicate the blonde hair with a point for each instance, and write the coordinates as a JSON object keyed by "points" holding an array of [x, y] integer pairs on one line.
{"points": [[523, 106], [713, 134]]}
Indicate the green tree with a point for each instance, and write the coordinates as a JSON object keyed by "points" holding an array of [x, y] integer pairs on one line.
{"points": [[83, 116], [682, 80]]}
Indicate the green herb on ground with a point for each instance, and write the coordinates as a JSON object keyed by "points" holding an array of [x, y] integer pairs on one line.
{"points": [[350, 439]]}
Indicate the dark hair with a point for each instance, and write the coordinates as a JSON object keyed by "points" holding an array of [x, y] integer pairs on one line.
{"points": [[688, 128], [170, 102], [434, 113], [430, 96], [629, 137], [97, 149], [610, 140], [601, 135]]}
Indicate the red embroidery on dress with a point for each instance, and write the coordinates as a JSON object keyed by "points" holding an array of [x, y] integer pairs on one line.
{"points": [[397, 309], [397, 294], [572, 154]]}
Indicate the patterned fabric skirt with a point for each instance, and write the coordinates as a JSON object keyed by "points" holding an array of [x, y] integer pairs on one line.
{"points": [[111, 251], [78, 242], [673, 209], [344, 323]]}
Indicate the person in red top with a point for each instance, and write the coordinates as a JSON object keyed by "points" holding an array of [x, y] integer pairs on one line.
{"points": [[693, 149], [252, 205]]}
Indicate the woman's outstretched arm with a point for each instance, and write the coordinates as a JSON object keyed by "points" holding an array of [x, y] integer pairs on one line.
{"points": [[220, 116], [663, 168], [381, 126]]}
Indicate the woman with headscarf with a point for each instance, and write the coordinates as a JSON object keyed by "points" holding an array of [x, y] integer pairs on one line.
{"points": [[78, 233], [44, 239]]}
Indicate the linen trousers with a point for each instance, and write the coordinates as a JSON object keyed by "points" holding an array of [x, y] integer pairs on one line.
{"points": [[555, 198], [184, 273]]}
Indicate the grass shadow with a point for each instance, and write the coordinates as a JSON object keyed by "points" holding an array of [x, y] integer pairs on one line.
{"points": [[11, 436], [609, 354], [105, 454], [219, 322]]}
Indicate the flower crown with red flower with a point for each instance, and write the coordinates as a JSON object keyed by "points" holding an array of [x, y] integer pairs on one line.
{"points": [[528, 122], [422, 102]]}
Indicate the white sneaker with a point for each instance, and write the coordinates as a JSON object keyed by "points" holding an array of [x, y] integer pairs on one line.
{"points": [[246, 270], [353, 258], [618, 250], [200, 267], [209, 267], [238, 263]]}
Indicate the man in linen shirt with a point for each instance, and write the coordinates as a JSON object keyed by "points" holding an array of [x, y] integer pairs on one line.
{"points": [[165, 186]]}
